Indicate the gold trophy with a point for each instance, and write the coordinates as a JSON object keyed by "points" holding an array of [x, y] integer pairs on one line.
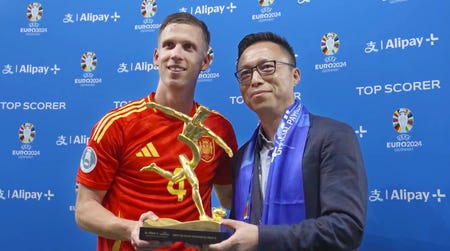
{"points": [[206, 229]]}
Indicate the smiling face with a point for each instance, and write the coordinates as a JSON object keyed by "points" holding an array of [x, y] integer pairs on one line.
{"points": [[270, 95], [181, 54]]}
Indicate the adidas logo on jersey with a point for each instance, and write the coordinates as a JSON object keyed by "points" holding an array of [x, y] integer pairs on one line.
{"points": [[148, 151]]}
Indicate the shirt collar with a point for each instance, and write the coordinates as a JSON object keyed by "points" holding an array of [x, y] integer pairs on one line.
{"points": [[262, 140]]}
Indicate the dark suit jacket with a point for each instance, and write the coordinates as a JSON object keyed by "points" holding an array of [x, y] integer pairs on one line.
{"points": [[335, 187]]}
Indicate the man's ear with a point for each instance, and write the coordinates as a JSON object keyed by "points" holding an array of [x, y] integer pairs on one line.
{"points": [[156, 57], [296, 75], [206, 62]]}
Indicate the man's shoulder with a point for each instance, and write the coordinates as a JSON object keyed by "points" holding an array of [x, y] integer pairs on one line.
{"points": [[216, 118], [128, 109], [323, 122], [128, 112], [326, 128]]}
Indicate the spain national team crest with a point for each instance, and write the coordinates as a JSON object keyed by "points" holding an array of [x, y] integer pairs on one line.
{"points": [[206, 145]]}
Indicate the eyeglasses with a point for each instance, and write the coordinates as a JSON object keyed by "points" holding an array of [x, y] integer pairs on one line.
{"points": [[265, 68]]}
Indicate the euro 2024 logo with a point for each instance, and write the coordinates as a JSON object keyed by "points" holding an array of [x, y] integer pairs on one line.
{"points": [[266, 12], [88, 64], [34, 12], [148, 8], [403, 121], [266, 2], [329, 45], [148, 11], [27, 133], [88, 61]]}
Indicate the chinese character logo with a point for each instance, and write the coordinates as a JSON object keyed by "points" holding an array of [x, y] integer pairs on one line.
{"points": [[27, 133], [330, 43]]}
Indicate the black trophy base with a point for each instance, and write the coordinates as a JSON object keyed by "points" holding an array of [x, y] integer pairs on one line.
{"points": [[195, 232]]}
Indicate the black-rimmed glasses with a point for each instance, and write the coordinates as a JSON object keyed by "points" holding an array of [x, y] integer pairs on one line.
{"points": [[264, 69]]}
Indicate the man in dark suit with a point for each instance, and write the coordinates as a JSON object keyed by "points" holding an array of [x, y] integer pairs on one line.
{"points": [[300, 182]]}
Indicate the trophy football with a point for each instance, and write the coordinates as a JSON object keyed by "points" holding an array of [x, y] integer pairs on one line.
{"points": [[205, 230]]}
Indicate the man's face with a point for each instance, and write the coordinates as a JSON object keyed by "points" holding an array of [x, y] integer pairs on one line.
{"points": [[181, 54], [270, 94]]}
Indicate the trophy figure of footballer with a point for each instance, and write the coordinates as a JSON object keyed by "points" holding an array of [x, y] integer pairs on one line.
{"points": [[206, 229]]}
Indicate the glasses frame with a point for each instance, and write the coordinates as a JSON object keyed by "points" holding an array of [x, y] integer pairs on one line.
{"points": [[237, 74]]}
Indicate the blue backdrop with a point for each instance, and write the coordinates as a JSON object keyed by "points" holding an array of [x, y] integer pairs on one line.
{"points": [[379, 65]]}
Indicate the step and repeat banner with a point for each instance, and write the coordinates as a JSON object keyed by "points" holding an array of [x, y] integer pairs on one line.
{"points": [[379, 65]]}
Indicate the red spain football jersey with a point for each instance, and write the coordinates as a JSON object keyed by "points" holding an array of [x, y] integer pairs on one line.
{"points": [[133, 136]]}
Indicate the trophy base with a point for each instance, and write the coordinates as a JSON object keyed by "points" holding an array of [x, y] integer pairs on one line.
{"points": [[196, 232]]}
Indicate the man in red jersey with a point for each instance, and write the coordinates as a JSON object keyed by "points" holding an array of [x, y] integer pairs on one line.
{"points": [[114, 196]]}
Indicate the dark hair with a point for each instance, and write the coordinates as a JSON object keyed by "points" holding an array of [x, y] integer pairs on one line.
{"points": [[186, 18], [254, 38]]}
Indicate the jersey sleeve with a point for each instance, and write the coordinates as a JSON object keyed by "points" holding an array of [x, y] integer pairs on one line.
{"points": [[99, 161]]}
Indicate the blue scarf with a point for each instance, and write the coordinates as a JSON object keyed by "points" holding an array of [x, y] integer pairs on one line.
{"points": [[284, 201]]}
